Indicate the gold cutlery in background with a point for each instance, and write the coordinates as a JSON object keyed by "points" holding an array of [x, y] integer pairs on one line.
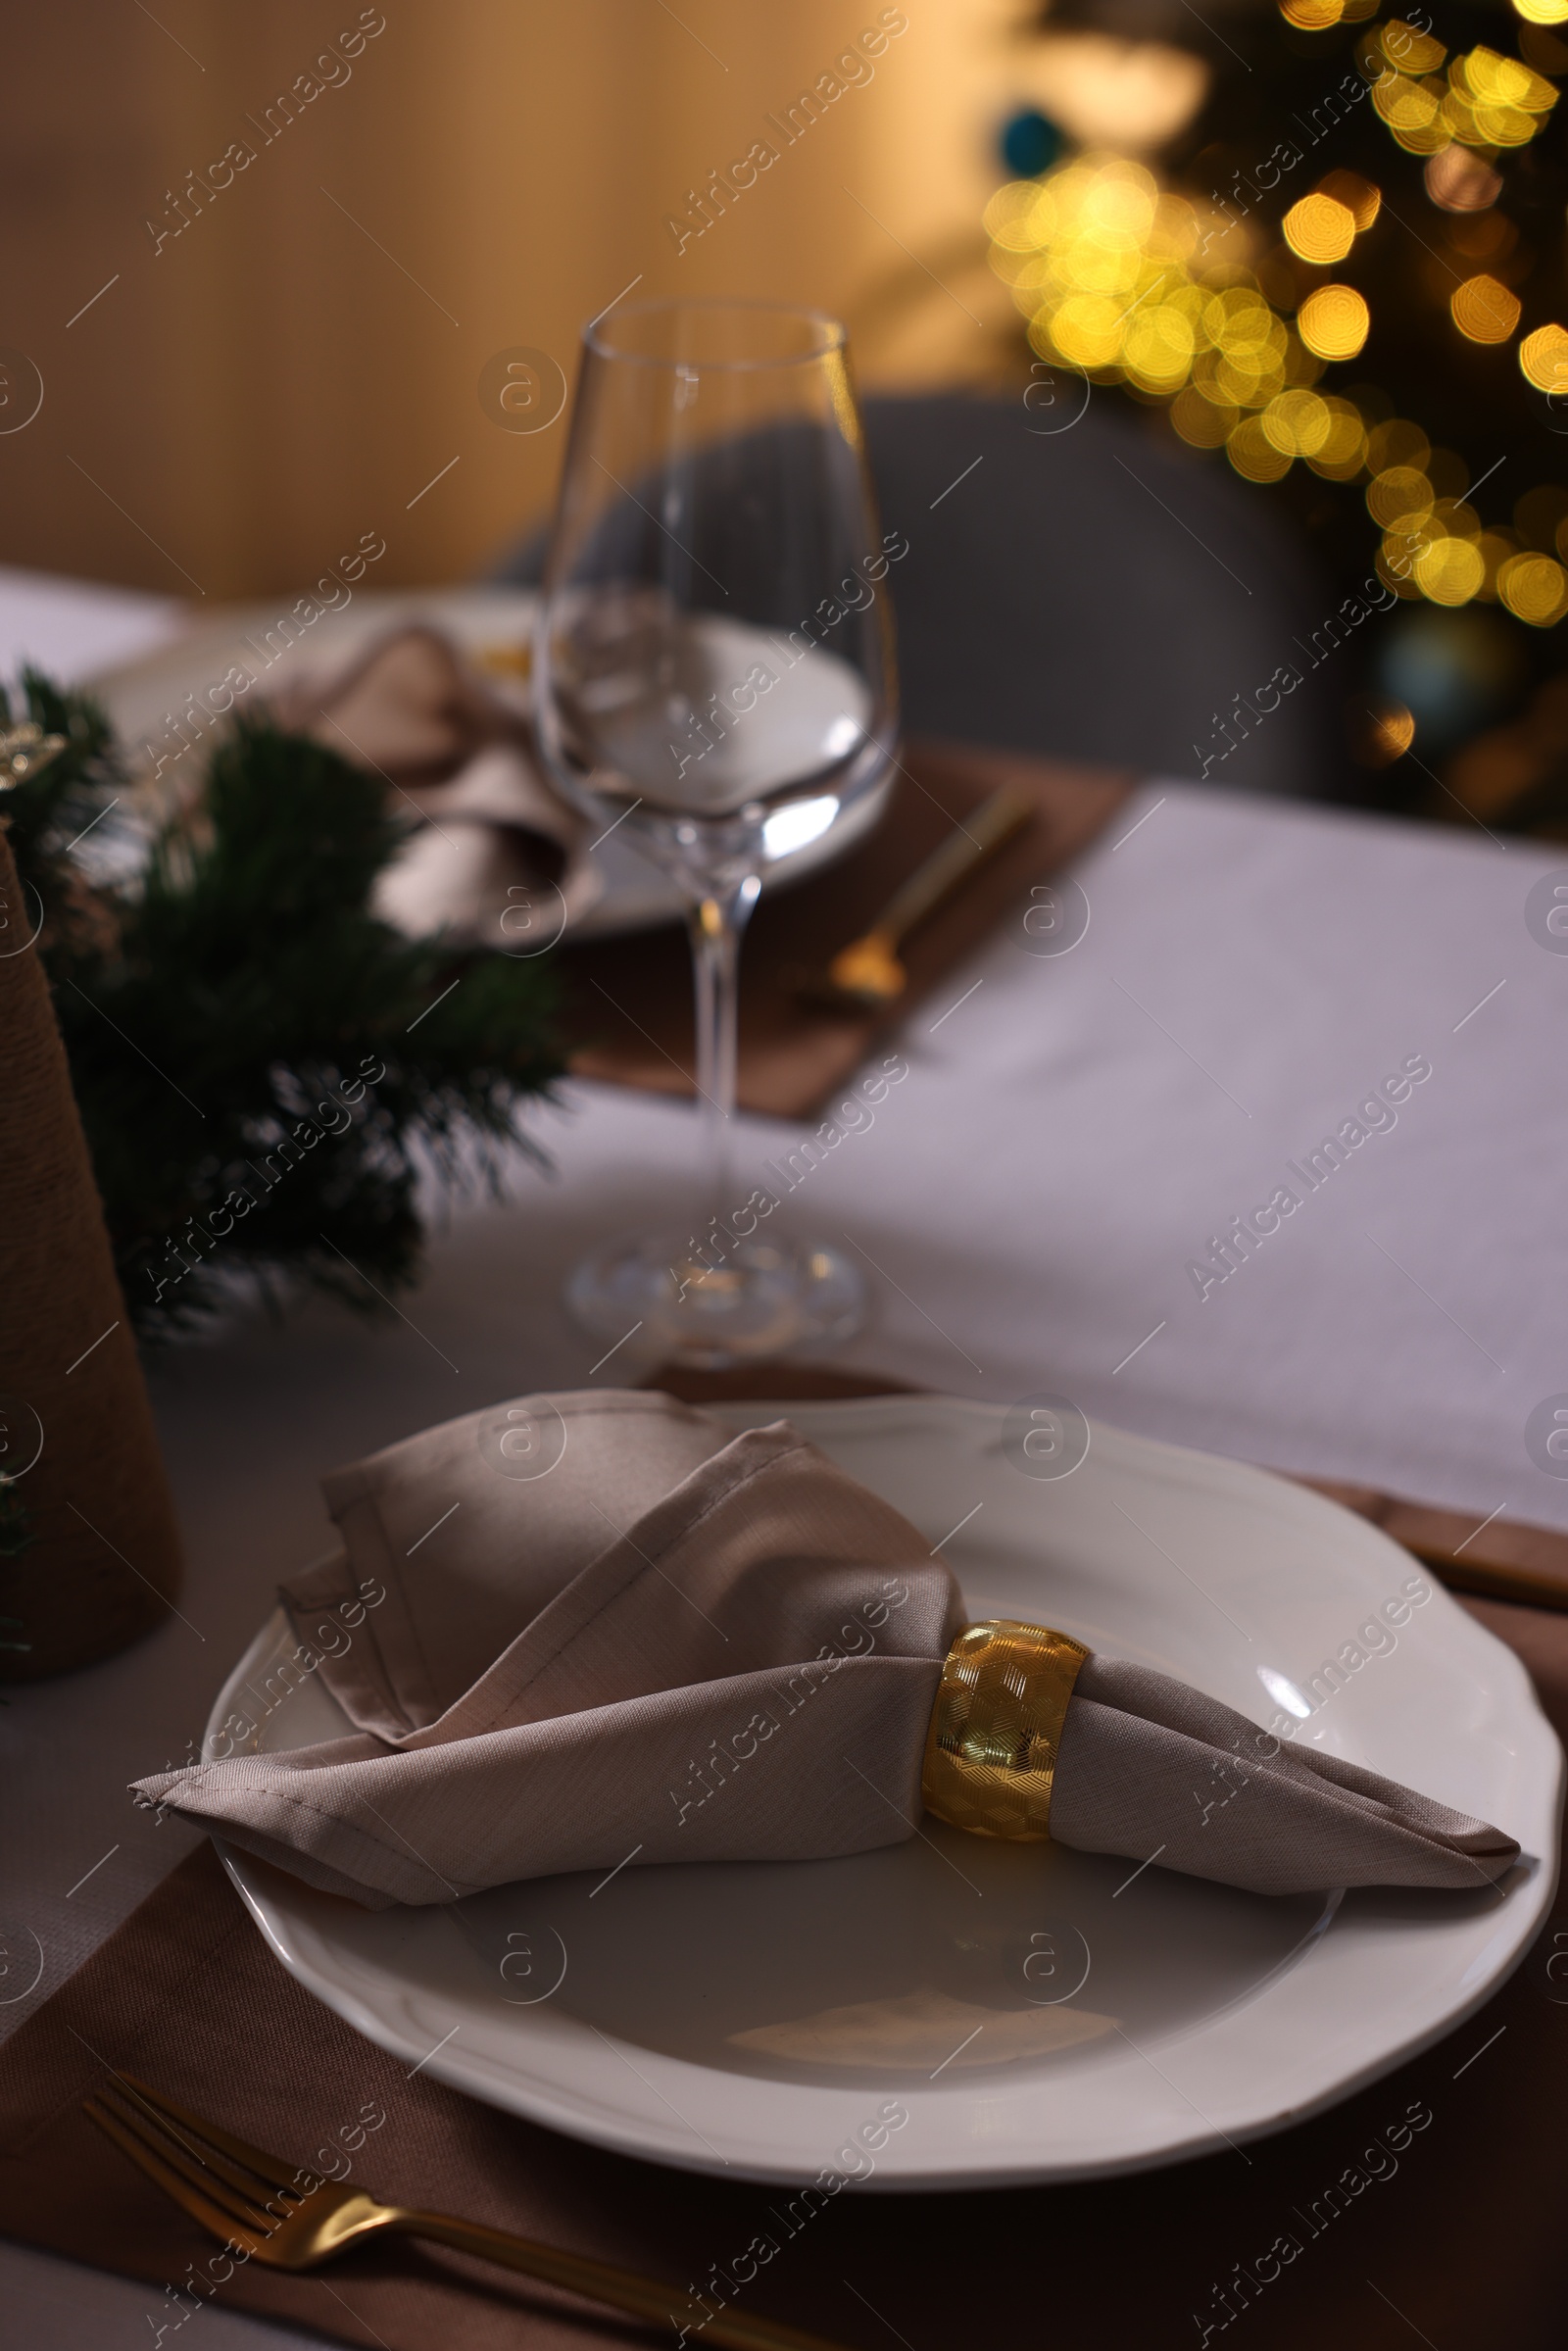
{"points": [[237, 2190], [866, 976]]}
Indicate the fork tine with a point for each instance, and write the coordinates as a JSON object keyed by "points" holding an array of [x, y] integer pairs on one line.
{"points": [[179, 2191], [209, 2143], [186, 2164]]}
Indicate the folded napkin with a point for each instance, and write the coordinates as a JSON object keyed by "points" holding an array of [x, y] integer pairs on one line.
{"points": [[585, 1630], [491, 843]]}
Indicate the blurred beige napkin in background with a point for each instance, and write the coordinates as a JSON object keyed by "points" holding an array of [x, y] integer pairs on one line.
{"points": [[598, 1629], [495, 858]]}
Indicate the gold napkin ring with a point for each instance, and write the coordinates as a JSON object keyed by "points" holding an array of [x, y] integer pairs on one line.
{"points": [[991, 1751]]}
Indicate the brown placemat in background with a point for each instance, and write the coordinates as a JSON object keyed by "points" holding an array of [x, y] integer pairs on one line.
{"points": [[1427, 2206], [629, 1000], [1499, 1559]]}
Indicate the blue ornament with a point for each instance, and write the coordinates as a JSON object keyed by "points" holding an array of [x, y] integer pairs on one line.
{"points": [[1454, 671], [1030, 143]]}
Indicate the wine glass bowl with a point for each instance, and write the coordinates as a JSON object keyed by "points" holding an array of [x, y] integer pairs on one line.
{"points": [[715, 677], [714, 639]]}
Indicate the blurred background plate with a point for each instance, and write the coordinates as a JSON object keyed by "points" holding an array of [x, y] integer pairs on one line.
{"points": [[494, 628]]}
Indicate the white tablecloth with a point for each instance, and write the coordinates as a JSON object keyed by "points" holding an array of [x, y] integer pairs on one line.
{"points": [[73, 627], [1067, 1144]]}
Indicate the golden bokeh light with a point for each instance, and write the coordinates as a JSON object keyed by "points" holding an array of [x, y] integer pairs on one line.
{"points": [[1298, 423], [1413, 113], [1408, 50], [1333, 321], [1087, 330], [1399, 498], [1342, 454], [1301, 367], [1394, 565], [1490, 102], [1138, 286], [1457, 521], [1487, 125], [1253, 455], [1319, 229], [1543, 12], [1543, 359], [1458, 182], [1534, 589], [1313, 16], [1497, 547], [1390, 733], [1449, 571], [1484, 311], [1495, 80], [1359, 195], [1200, 422], [1012, 217], [1157, 348], [1250, 377]]}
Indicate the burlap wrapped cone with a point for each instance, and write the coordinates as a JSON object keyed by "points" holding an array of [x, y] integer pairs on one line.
{"points": [[103, 1562]]}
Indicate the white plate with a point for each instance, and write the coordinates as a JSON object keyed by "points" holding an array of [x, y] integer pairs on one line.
{"points": [[755, 2017], [489, 623]]}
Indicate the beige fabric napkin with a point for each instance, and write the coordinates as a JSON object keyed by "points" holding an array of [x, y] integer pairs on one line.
{"points": [[495, 858], [585, 1630]]}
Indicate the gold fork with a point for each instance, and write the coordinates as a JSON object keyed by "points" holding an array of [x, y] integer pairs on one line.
{"points": [[292, 2219], [867, 975]]}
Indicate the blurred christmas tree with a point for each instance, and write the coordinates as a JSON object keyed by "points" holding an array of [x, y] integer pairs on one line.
{"points": [[1339, 264]]}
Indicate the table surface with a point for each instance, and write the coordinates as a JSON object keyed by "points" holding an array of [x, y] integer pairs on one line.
{"points": [[1070, 1134]]}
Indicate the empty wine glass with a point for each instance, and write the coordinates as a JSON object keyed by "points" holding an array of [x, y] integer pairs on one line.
{"points": [[716, 678]]}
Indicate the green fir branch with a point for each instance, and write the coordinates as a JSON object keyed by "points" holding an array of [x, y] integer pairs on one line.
{"points": [[242, 1029]]}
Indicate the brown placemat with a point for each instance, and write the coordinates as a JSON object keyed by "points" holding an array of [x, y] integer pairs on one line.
{"points": [[1500, 1559], [1425, 2207], [628, 1011]]}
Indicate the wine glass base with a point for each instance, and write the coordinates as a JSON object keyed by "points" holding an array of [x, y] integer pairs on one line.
{"points": [[764, 1297]]}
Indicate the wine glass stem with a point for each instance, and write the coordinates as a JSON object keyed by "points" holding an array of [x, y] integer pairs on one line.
{"points": [[715, 922]]}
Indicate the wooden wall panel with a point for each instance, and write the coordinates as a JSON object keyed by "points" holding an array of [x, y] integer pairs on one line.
{"points": [[252, 394]]}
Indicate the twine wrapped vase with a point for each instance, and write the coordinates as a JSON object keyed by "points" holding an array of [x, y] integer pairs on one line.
{"points": [[89, 1546]]}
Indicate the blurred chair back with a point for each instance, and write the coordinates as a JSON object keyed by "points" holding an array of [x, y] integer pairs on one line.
{"points": [[1073, 589], [1082, 592]]}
